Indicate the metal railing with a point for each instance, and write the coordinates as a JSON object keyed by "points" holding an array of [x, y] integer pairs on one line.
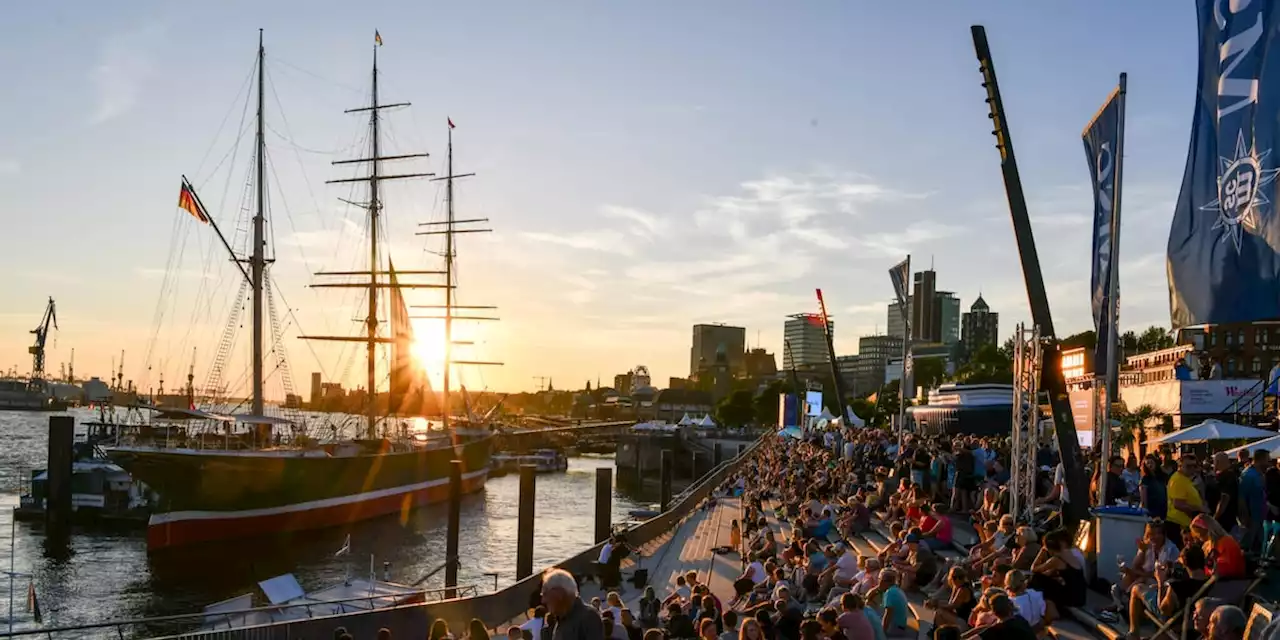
{"points": [[176, 623]]}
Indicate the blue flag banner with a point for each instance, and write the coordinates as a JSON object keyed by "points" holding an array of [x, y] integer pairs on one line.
{"points": [[900, 275], [1223, 261], [1101, 142]]}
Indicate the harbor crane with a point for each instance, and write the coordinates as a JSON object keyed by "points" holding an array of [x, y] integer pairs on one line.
{"points": [[42, 333]]}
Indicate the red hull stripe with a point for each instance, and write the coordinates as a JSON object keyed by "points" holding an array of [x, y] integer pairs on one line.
{"points": [[192, 527]]}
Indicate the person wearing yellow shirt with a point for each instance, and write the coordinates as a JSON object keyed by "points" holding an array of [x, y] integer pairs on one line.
{"points": [[1184, 500]]}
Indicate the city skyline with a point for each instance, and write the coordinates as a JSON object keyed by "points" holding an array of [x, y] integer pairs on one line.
{"points": [[693, 178]]}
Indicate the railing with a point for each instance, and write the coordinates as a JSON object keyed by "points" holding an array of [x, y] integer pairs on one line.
{"points": [[1246, 399], [176, 623], [408, 620]]}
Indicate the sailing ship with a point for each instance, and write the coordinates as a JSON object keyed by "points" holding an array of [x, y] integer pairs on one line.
{"points": [[267, 486]]}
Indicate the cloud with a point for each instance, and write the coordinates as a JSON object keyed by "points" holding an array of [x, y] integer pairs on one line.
{"points": [[900, 243], [123, 66], [9, 166], [605, 240], [642, 223]]}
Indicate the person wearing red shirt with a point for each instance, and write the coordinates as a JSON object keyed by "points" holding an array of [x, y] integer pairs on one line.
{"points": [[1222, 551]]}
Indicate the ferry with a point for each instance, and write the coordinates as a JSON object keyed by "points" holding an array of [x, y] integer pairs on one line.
{"points": [[546, 461]]}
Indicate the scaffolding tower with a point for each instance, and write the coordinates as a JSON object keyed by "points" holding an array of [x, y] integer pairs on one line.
{"points": [[1027, 361]]}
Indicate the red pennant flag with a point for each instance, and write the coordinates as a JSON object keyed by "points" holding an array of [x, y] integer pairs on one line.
{"points": [[450, 122]]}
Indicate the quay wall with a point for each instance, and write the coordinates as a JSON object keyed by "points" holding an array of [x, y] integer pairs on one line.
{"points": [[496, 608]]}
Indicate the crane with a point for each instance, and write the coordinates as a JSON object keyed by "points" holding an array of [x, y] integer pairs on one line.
{"points": [[42, 332]]}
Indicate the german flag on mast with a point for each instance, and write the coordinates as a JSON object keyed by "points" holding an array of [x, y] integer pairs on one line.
{"points": [[187, 200]]}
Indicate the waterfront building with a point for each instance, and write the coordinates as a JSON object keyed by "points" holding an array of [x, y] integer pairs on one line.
{"points": [[949, 317], [896, 322], [980, 326], [1242, 349], [708, 338], [317, 391], [760, 364], [806, 342]]}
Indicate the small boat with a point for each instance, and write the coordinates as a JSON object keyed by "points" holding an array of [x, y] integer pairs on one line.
{"points": [[287, 601], [101, 493], [546, 461]]}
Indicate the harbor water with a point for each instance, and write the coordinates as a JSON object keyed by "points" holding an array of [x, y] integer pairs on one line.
{"points": [[110, 575]]}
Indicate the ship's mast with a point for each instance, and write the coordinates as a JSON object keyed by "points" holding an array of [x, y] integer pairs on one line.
{"points": [[450, 228], [374, 208], [371, 323], [447, 406], [257, 262]]}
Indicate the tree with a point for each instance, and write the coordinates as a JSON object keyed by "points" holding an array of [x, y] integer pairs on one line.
{"points": [[1133, 426], [887, 403], [929, 372], [737, 409], [988, 366], [1153, 339], [766, 402], [1007, 348]]}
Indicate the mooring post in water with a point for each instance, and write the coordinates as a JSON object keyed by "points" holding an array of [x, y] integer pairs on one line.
{"points": [[455, 522], [741, 448], [668, 460], [719, 455], [524, 524], [57, 513], [604, 503]]}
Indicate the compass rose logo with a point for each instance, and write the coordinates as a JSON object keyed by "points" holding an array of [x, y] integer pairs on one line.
{"points": [[1241, 179]]}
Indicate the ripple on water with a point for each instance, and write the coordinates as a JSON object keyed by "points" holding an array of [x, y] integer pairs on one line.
{"points": [[110, 576]]}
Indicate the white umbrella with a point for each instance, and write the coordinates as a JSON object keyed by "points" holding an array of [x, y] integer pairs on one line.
{"points": [[853, 418], [1213, 430], [1271, 445]]}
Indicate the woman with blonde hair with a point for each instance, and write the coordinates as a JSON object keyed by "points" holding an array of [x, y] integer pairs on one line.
{"points": [[1028, 548], [1221, 551], [750, 630]]}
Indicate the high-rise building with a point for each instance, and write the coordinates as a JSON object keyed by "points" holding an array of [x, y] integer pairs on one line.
{"points": [[949, 315], [926, 317], [980, 326], [897, 324], [806, 343], [317, 391], [867, 371], [708, 339]]}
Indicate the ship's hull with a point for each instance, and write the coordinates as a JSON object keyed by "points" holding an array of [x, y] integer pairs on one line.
{"points": [[208, 496]]}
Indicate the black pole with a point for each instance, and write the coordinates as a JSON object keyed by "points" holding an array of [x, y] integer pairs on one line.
{"points": [[524, 525], [668, 458], [719, 454], [1051, 380], [836, 381], [455, 522], [604, 503], [57, 514]]}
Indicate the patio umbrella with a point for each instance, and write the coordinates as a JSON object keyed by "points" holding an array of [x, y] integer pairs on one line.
{"points": [[1213, 430]]}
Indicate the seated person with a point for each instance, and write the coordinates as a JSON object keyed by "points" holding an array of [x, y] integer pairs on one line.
{"points": [[1174, 588]]}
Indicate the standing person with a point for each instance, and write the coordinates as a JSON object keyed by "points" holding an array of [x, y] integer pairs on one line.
{"points": [[1253, 501], [1226, 498], [1151, 488], [574, 620], [1184, 501]]}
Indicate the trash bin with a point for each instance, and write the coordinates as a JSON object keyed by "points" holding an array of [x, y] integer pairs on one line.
{"points": [[1116, 530]]}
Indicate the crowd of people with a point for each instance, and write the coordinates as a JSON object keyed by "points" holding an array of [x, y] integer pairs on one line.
{"points": [[807, 575]]}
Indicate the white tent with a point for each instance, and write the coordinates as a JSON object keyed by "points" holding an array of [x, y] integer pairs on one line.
{"points": [[1271, 445], [853, 419], [685, 421], [825, 415], [706, 422], [1213, 430]]}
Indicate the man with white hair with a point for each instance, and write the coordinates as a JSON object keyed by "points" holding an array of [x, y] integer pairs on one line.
{"points": [[1227, 623], [574, 620]]}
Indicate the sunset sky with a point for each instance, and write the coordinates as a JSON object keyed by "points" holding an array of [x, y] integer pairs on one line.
{"points": [[645, 166]]}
